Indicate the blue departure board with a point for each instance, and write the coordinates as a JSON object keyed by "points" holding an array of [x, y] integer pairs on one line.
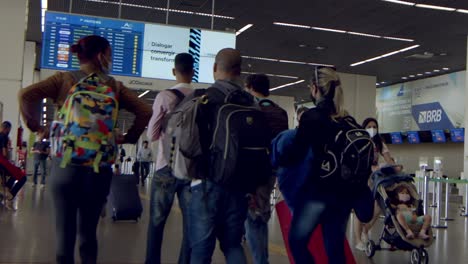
{"points": [[138, 49], [63, 30]]}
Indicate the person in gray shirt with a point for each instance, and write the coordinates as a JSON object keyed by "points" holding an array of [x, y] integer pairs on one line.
{"points": [[144, 157]]}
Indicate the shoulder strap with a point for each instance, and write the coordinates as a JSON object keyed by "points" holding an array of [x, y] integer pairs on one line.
{"points": [[180, 95], [266, 101]]}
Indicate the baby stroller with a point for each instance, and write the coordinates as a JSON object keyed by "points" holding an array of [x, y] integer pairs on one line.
{"points": [[385, 183]]}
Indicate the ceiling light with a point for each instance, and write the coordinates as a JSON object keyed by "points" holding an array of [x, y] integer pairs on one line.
{"points": [[273, 75], [320, 48], [383, 82], [44, 109], [435, 7], [462, 11], [363, 34], [404, 78], [287, 61], [445, 69], [400, 39], [161, 9], [286, 85], [329, 29], [377, 83], [428, 72], [436, 70], [384, 55], [400, 2], [44, 4], [412, 76], [291, 25], [243, 29], [44, 100], [419, 74], [44, 116], [144, 93], [302, 46]]}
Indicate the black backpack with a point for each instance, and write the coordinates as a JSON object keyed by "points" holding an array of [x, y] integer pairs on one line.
{"points": [[276, 116], [348, 157], [240, 158]]}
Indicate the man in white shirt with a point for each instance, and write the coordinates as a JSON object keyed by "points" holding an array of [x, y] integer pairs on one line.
{"points": [[164, 185], [144, 156]]}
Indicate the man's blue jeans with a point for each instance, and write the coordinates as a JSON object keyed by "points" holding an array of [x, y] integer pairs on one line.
{"points": [[256, 232], [43, 164], [163, 189], [217, 213]]}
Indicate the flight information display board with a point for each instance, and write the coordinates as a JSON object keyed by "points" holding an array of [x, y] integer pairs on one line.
{"points": [[138, 49]]}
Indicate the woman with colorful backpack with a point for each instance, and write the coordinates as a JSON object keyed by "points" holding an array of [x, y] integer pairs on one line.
{"points": [[83, 141]]}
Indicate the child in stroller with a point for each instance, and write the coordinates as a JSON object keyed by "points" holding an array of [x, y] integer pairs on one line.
{"points": [[407, 216], [397, 231]]}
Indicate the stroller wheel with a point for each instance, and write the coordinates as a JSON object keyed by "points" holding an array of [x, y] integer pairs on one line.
{"points": [[370, 249], [415, 257], [424, 256]]}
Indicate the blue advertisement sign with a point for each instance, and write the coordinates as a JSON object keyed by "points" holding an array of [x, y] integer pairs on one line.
{"points": [[457, 135], [431, 116], [438, 136], [413, 137]]}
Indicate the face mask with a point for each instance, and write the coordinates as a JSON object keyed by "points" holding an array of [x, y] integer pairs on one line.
{"points": [[372, 132], [404, 197]]}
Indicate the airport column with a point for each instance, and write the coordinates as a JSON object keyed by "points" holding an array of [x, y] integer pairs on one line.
{"points": [[465, 160], [13, 23]]}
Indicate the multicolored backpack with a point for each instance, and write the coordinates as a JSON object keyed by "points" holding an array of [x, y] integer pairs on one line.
{"points": [[83, 133]]}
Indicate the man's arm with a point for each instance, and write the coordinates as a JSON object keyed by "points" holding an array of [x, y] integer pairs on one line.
{"points": [[160, 108]]}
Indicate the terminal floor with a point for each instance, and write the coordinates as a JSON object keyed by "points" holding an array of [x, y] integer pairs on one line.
{"points": [[27, 236]]}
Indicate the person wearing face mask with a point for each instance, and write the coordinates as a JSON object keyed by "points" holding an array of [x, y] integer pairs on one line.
{"points": [[78, 190], [361, 230], [320, 200], [406, 214]]}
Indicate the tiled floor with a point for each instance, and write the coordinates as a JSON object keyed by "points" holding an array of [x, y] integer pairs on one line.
{"points": [[27, 236]]}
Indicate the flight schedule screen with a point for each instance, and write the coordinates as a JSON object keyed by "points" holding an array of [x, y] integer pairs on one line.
{"points": [[138, 49]]}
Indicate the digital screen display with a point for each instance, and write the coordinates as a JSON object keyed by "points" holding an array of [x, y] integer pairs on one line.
{"points": [[457, 135], [438, 136], [413, 137], [396, 138], [138, 49]]}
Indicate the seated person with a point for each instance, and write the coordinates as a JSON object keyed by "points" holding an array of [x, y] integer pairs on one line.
{"points": [[406, 214]]}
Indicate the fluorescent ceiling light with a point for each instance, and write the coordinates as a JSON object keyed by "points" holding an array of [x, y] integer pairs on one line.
{"points": [[44, 4], [462, 11], [161, 9], [404, 78], [44, 100], [144, 93], [341, 31], [287, 61], [363, 34], [384, 55], [428, 72], [274, 75], [400, 2], [243, 29], [44, 109], [291, 25], [329, 29], [445, 69], [412, 76], [436, 70], [420, 74], [436, 7], [400, 39], [286, 85]]}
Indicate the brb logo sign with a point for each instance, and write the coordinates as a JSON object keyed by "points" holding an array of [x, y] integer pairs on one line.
{"points": [[431, 116]]}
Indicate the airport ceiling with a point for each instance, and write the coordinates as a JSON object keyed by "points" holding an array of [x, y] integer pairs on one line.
{"points": [[441, 34]]}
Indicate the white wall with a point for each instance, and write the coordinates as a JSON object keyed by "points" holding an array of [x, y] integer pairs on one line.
{"points": [[408, 155]]}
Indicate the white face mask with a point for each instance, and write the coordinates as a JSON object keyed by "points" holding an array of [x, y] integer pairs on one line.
{"points": [[404, 197], [372, 132]]}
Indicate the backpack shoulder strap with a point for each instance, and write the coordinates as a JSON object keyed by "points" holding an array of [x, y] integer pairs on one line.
{"points": [[266, 102], [180, 95]]}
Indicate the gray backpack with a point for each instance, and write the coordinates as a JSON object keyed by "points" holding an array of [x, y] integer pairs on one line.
{"points": [[181, 141]]}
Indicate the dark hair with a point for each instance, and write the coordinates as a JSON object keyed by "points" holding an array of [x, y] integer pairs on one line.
{"points": [[184, 63], [89, 47], [377, 139], [259, 83], [6, 124]]}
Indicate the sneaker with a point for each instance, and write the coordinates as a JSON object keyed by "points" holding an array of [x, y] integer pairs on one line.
{"points": [[361, 246], [42, 186], [364, 237]]}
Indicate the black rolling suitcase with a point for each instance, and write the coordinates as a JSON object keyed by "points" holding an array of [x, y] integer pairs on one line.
{"points": [[125, 200]]}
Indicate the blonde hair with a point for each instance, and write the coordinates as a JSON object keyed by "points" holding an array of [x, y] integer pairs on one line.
{"points": [[327, 79]]}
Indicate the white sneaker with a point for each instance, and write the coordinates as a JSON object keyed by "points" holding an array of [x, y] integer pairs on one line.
{"points": [[361, 246], [364, 237]]}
